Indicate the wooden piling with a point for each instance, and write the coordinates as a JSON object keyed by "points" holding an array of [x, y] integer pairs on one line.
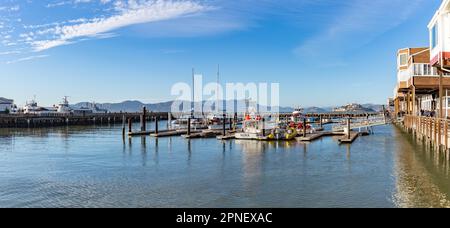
{"points": [[264, 127], [446, 135], [439, 132], [156, 125], [144, 119], [130, 125], [189, 127], [224, 124], [123, 125], [304, 127], [348, 128]]}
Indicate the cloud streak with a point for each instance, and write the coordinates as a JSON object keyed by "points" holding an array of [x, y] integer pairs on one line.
{"points": [[29, 58], [130, 14]]}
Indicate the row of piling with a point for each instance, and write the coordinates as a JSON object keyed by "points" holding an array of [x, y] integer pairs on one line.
{"points": [[432, 131]]}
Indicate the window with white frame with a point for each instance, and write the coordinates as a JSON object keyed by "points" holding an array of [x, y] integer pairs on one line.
{"points": [[434, 36], [402, 60]]}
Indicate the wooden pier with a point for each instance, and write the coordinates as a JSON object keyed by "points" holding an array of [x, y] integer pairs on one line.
{"points": [[58, 119], [431, 131]]}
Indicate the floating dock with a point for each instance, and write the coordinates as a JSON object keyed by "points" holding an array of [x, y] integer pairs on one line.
{"points": [[168, 133], [343, 139], [312, 137], [226, 137], [349, 138]]}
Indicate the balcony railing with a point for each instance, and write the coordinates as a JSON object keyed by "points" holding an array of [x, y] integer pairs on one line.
{"points": [[419, 70], [422, 69]]}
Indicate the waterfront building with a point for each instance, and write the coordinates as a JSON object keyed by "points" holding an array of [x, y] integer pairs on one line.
{"points": [[440, 36], [6, 105], [440, 54], [418, 84]]}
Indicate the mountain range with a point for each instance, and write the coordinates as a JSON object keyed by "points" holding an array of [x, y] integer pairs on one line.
{"points": [[136, 106]]}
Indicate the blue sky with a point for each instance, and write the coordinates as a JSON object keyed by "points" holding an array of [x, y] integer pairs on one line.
{"points": [[322, 52]]}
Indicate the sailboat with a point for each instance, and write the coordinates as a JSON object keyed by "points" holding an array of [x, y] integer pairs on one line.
{"points": [[216, 121], [182, 122]]}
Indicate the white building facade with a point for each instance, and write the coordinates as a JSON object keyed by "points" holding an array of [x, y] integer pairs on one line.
{"points": [[6, 105]]}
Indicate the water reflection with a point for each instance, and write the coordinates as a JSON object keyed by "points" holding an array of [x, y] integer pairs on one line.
{"points": [[252, 163], [382, 170], [144, 150], [422, 175]]}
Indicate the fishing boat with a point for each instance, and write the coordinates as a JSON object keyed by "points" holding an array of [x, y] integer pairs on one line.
{"points": [[251, 130], [254, 128]]}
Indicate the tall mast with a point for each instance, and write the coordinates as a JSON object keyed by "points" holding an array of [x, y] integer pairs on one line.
{"points": [[193, 93], [217, 90]]}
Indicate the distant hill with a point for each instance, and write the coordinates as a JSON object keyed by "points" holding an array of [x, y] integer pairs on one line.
{"points": [[136, 106], [373, 107], [316, 110], [130, 106]]}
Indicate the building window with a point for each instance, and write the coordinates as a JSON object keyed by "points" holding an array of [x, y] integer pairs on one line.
{"points": [[434, 36], [403, 60]]}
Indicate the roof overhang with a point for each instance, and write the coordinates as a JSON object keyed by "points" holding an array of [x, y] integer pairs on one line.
{"points": [[445, 7]]}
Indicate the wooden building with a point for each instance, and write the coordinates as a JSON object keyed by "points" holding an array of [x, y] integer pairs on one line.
{"points": [[419, 85]]}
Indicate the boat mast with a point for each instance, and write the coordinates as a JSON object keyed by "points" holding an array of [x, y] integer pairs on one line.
{"points": [[217, 90], [193, 93]]}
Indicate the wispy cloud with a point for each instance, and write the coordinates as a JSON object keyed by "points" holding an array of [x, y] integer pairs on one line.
{"points": [[130, 13], [10, 53], [29, 58]]}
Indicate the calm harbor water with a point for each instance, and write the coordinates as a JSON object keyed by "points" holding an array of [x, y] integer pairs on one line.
{"points": [[94, 167]]}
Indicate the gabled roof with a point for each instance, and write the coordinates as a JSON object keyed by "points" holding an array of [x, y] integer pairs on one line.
{"points": [[417, 54]]}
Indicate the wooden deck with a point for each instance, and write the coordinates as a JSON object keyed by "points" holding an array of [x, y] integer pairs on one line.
{"points": [[351, 139]]}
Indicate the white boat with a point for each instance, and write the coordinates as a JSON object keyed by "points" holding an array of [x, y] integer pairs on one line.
{"points": [[64, 107], [252, 129], [32, 108], [298, 112], [182, 123], [215, 122]]}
